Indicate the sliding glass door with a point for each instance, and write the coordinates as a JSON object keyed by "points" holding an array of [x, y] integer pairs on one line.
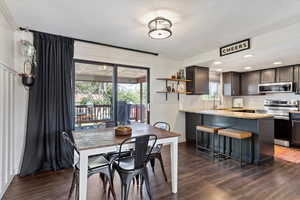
{"points": [[132, 95], [110, 94]]}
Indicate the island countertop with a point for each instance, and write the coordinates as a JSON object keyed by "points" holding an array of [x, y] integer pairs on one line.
{"points": [[226, 113]]}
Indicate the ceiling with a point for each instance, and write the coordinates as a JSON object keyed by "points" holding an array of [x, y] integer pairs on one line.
{"points": [[198, 25]]}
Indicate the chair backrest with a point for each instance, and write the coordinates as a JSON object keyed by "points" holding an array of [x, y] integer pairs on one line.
{"points": [[162, 125], [139, 147], [67, 138]]}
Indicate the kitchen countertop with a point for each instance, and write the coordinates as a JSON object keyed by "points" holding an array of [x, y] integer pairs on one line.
{"points": [[228, 113]]}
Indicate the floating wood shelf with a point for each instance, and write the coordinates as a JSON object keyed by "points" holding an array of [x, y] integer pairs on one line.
{"points": [[170, 79], [174, 80], [166, 92]]}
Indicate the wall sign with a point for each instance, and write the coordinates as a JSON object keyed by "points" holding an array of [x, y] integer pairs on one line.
{"points": [[235, 47]]}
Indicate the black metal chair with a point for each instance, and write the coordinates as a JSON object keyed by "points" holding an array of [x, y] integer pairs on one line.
{"points": [[97, 164], [136, 164], [156, 153]]}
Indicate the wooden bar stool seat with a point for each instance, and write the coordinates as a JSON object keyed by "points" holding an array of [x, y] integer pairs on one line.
{"points": [[238, 135], [208, 129], [209, 145]]}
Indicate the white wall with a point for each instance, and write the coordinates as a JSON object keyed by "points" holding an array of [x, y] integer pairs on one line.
{"points": [[161, 110], [12, 104]]}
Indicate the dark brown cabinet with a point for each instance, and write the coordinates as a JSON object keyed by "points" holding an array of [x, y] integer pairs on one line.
{"points": [[249, 83], [231, 84], [295, 129], [268, 76], [297, 79], [200, 80], [285, 74]]}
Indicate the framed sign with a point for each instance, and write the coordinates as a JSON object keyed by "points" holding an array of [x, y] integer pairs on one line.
{"points": [[235, 47]]}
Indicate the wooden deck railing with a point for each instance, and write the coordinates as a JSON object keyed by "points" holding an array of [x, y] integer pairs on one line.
{"points": [[101, 113]]}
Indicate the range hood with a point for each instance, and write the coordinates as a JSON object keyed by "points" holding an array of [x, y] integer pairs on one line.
{"points": [[275, 87]]}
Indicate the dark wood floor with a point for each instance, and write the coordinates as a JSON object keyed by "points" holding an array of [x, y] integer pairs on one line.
{"points": [[199, 178]]}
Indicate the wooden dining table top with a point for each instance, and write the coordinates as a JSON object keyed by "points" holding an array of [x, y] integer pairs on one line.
{"points": [[105, 137]]}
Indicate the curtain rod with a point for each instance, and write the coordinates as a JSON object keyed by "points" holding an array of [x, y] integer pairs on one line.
{"points": [[99, 43]]}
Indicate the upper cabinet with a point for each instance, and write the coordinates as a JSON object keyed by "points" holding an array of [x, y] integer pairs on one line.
{"points": [[200, 80], [268, 76], [249, 83], [285, 74], [297, 78], [231, 84]]}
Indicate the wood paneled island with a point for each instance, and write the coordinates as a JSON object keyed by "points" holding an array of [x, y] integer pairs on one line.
{"points": [[261, 126]]}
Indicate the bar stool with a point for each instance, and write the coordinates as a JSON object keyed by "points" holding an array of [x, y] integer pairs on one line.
{"points": [[208, 130], [236, 134]]}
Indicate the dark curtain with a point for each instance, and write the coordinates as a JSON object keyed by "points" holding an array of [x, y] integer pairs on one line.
{"points": [[50, 107]]}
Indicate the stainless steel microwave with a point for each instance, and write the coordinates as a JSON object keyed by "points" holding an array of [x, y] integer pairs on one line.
{"points": [[275, 87]]}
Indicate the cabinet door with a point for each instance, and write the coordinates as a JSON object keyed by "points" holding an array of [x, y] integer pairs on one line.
{"points": [[227, 84], [201, 84], [297, 79], [295, 133], [253, 81], [285, 74], [244, 84], [249, 83], [236, 84], [268, 76]]}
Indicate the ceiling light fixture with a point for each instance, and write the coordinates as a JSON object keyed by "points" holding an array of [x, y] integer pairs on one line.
{"points": [[248, 56], [160, 28], [219, 70], [217, 62], [247, 68], [277, 63]]}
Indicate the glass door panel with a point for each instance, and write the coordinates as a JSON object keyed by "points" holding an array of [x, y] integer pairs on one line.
{"points": [[93, 95], [132, 95]]}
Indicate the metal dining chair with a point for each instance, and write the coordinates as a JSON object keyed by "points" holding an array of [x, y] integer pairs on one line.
{"points": [[97, 164], [134, 165], [156, 153]]}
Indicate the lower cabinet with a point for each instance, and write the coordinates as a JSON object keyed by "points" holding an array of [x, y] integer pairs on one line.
{"points": [[191, 121]]}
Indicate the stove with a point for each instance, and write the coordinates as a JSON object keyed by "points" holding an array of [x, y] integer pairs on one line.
{"points": [[280, 108]]}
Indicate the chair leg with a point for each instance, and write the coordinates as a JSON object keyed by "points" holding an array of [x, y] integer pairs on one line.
{"points": [[159, 157], [152, 162], [77, 187], [111, 184], [72, 185], [147, 183]]}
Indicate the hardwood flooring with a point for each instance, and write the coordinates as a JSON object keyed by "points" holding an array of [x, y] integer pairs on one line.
{"points": [[288, 154], [199, 178]]}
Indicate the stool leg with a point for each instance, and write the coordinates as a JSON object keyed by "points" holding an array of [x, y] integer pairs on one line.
{"points": [[241, 156], [213, 147], [196, 140], [224, 145], [230, 146], [219, 147]]}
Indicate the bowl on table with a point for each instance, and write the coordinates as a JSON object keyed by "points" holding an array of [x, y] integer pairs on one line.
{"points": [[123, 131]]}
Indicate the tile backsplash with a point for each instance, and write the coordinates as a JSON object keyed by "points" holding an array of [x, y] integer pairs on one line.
{"points": [[257, 102]]}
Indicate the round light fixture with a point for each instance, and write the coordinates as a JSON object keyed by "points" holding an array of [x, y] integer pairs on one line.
{"points": [[219, 70], [217, 62], [277, 63], [248, 56], [160, 28], [247, 68]]}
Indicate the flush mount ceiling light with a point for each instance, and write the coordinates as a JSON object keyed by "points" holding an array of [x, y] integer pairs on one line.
{"points": [[217, 62], [247, 68], [248, 56], [160, 28], [277, 63], [219, 70]]}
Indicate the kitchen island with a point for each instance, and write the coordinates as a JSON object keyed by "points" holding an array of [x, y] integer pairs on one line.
{"points": [[260, 125]]}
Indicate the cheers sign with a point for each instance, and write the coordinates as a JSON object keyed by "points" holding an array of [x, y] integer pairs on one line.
{"points": [[235, 47]]}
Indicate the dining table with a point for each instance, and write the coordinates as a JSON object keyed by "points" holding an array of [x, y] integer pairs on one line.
{"points": [[103, 140]]}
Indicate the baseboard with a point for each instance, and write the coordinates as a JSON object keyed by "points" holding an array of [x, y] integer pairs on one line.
{"points": [[6, 186]]}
